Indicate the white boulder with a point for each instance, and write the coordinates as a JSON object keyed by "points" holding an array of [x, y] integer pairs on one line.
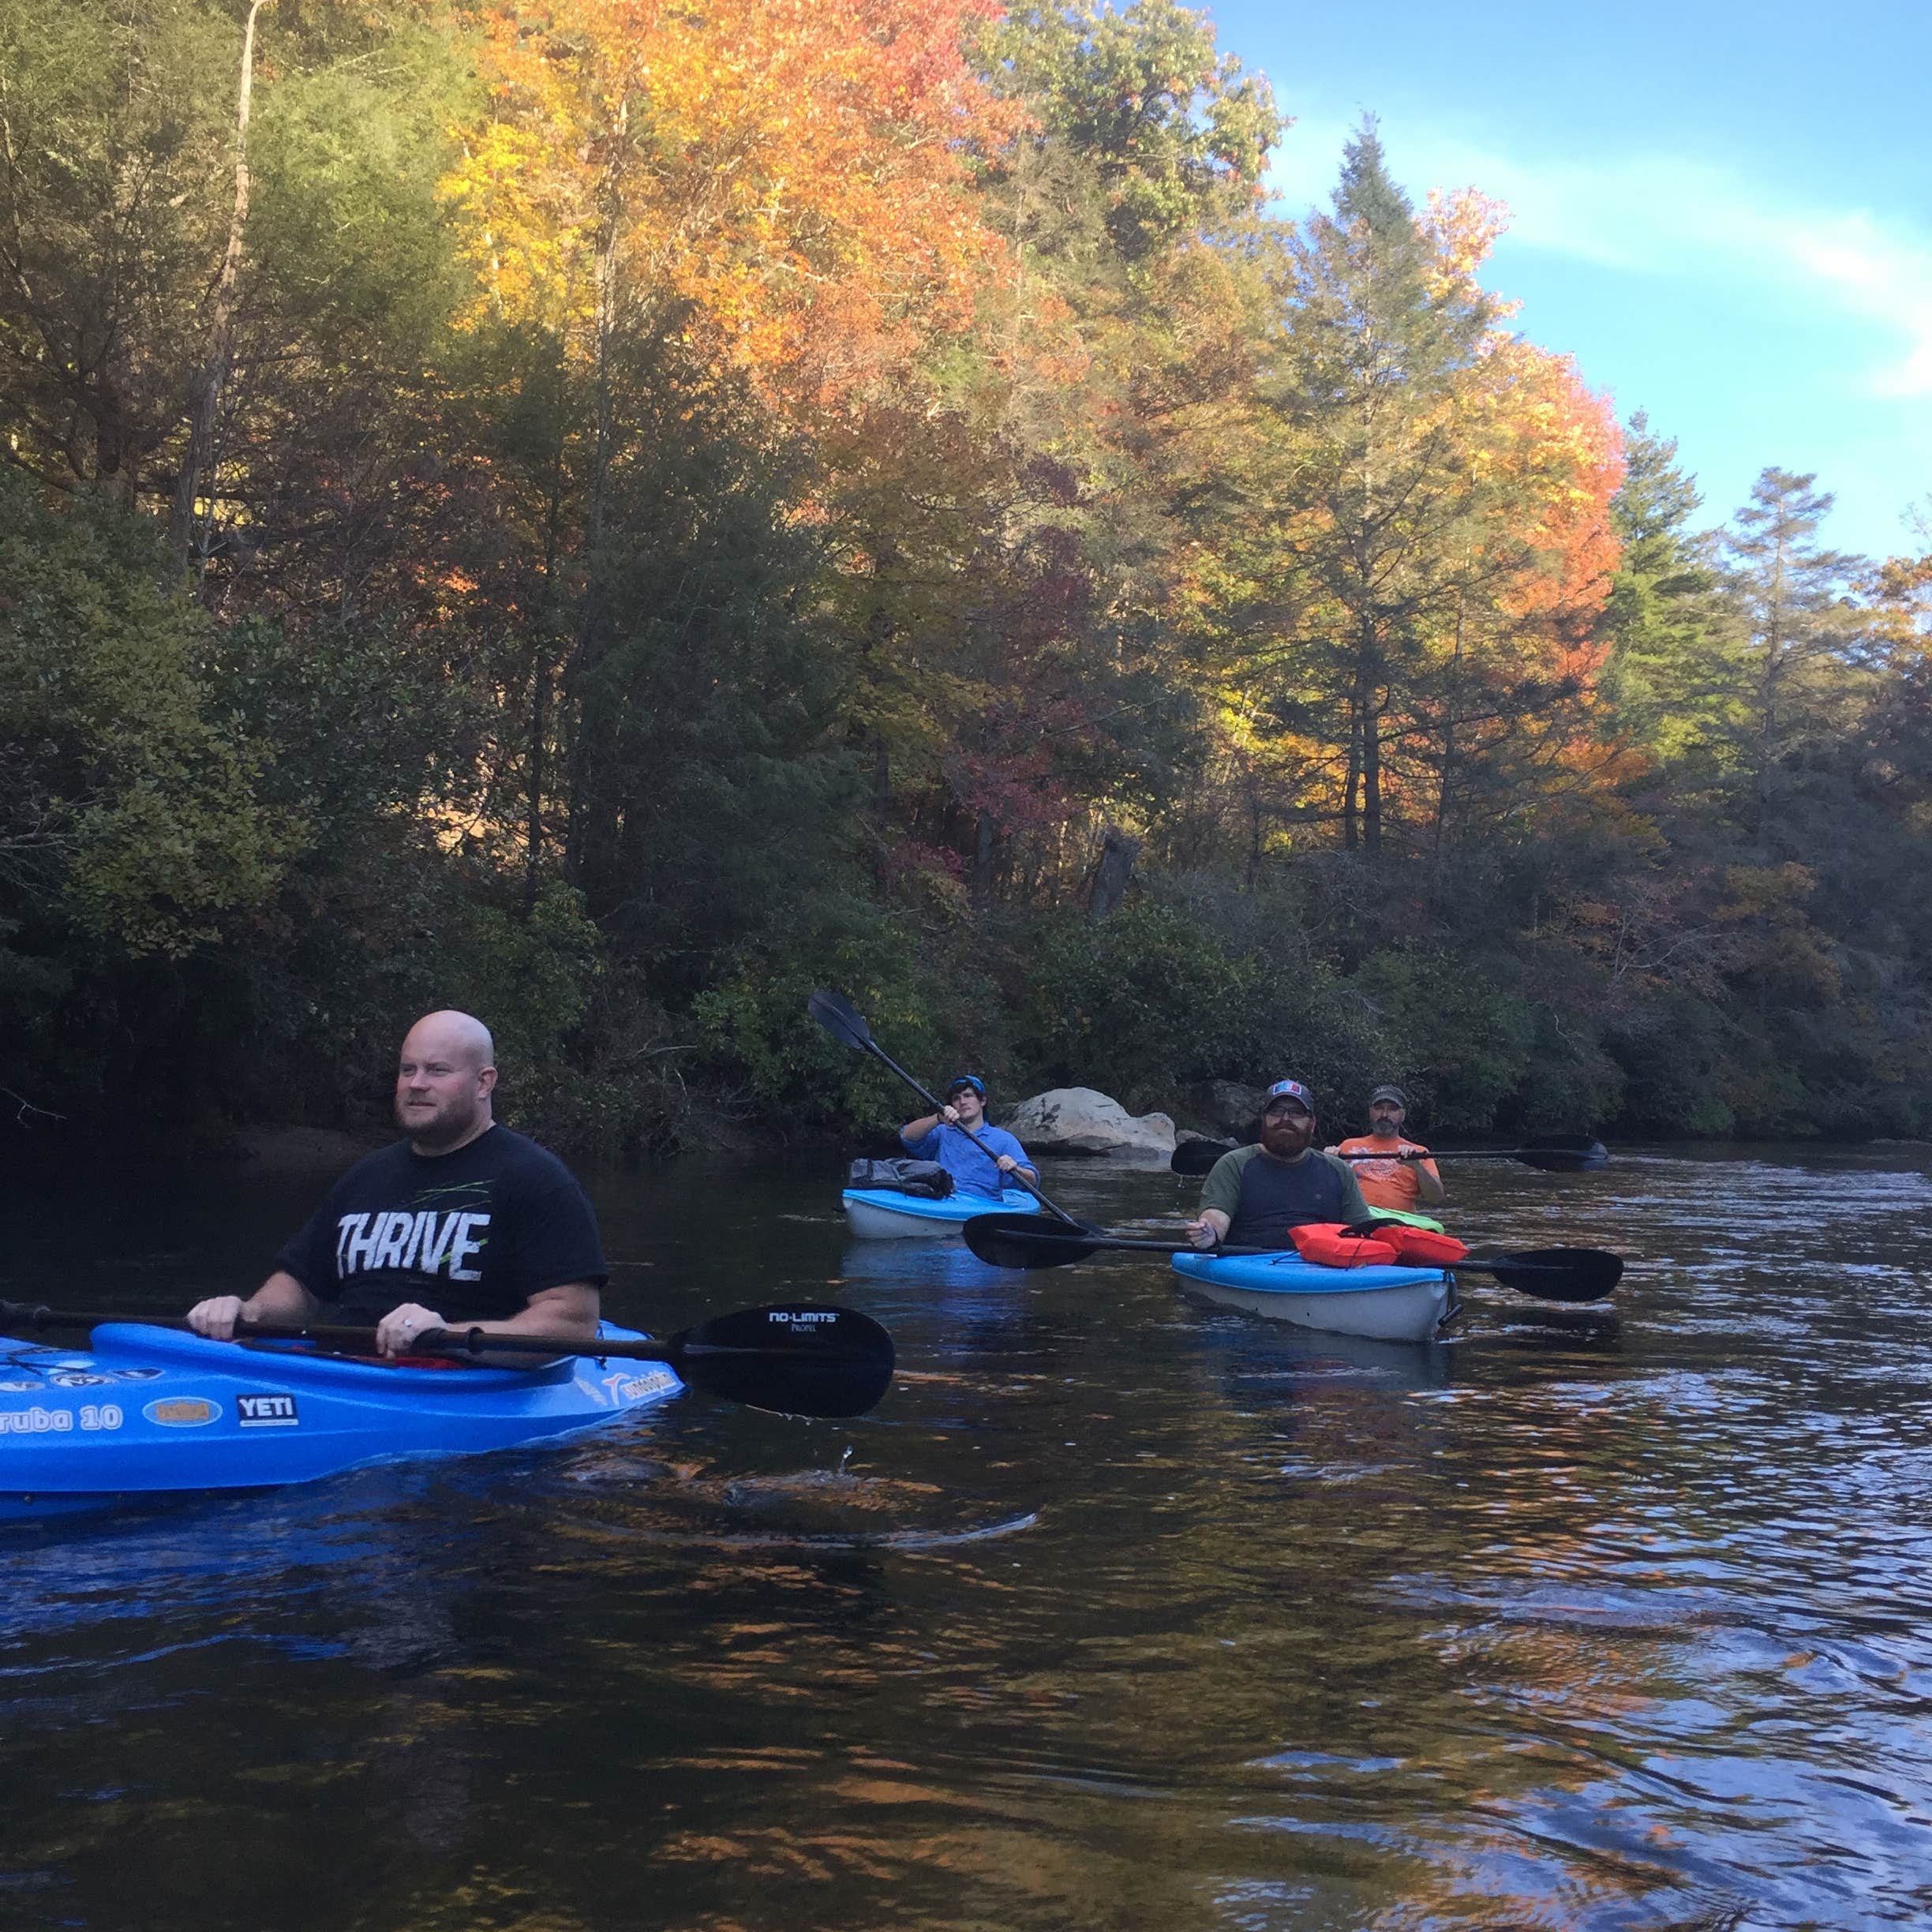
{"points": [[1079, 1120]]}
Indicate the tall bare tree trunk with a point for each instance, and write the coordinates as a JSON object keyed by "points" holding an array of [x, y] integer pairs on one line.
{"points": [[1118, 852], [986, 858], [1367, 682], [1351, 837], [1447, 780], [205, 403]]}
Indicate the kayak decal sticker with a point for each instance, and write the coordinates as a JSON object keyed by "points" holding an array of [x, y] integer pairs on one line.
{"points": [[267, 1412], [182, 1412], [620, 1388], [35, 1422], [20, 1388], [70, 1378], [137, 1375], [803, 1318], [100, 1415]]}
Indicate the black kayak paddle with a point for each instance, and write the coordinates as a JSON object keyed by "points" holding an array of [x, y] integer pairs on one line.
{"points": [[1548, 1274], [794, 1358], [843, 1021], [1559, 1154]]}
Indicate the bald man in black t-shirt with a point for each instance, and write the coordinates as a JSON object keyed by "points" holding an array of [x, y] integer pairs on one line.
{"points": [[464, 1224]]}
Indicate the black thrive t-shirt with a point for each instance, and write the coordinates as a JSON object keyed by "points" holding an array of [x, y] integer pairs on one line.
{"points": [[472, 1234]]}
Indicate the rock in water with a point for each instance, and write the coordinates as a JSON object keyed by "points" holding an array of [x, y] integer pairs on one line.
{"points": [[1078, 1120]]}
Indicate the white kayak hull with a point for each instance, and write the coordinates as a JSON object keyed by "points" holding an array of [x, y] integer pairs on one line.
{"points": [[876, 1214], [1384, 1304]]}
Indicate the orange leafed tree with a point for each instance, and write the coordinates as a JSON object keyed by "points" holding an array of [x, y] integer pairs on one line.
{"points": [[1526, 690], [786, 182]]}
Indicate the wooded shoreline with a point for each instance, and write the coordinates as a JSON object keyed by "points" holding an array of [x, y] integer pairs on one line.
{"points": [[614, 518]]}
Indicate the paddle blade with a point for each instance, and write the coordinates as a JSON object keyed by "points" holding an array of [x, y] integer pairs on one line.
{"points": [[799, 1359], [840, 1019], [1557, 1274], [1566, 1154], [1020, 1241], [1197, 1157]]}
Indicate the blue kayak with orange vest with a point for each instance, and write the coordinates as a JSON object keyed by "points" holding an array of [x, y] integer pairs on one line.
{"points": [[1388, 1303]]}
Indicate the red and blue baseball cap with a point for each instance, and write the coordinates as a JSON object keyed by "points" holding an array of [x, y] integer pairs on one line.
{"points": [[1289, 1090]]}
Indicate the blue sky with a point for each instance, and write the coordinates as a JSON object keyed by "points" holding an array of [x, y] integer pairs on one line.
{"points": [[1723, 211]]}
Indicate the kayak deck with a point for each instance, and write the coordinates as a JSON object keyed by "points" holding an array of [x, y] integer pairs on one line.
{"points": [[1385, 1304], [880, 1214], [144, 1412]]}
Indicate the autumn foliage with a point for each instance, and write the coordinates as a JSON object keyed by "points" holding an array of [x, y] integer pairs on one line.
{"points": [[785, 181], [653, 503]]}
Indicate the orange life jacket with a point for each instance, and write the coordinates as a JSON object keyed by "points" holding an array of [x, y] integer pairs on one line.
{"points": [[1418, 1247], [1331, 1244]]}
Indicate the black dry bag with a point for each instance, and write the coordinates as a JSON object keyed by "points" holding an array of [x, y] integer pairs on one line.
{"points": [[928, 1179]]}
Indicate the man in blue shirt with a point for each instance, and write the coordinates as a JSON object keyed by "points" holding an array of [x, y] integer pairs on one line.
{"points": [[978, 1155]]}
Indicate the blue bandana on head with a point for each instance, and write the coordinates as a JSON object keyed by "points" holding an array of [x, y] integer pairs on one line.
{"points": [[965, 1080]]}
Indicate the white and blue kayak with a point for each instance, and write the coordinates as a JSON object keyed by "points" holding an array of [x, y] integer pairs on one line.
{"points": [[142, 1412], [1388, 1303], [880, 1214]]}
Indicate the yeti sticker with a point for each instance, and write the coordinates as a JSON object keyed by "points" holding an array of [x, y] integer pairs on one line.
{"points": [[266, 1412]]}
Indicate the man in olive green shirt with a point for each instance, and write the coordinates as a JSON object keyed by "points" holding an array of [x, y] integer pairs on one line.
{"points": [[1252, 1196]]}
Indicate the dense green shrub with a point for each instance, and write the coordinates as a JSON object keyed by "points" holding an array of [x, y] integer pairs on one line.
{"points": [[130, 814], [776, 1061], [1463, 1031], [1673, 1053], [1137, 1005]]}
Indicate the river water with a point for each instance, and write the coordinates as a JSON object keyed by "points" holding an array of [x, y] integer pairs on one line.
{"points": [[1119, 1612]]}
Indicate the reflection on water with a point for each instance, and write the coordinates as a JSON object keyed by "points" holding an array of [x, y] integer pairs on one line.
{"points": [[1120, 1612]]}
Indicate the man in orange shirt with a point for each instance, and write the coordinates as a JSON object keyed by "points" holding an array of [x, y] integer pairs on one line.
{"points": [[1403, 1185]]}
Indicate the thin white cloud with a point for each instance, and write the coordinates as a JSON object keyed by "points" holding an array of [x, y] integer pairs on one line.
{"points": [[1656, 215], [1885, 277]]}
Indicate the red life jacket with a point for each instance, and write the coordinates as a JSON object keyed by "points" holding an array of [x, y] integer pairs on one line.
{"points": [[1331, 1244]]}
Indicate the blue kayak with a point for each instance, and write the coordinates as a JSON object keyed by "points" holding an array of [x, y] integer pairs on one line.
{"points": [[144, 1412], [1393, 1303], [880, 1214]]}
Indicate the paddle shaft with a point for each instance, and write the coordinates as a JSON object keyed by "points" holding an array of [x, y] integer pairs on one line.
{"points": [[804, 1359], [1549, 1274], [1459, 1154], [1186, 1159], [455, 1342], [1170, 1248]]}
